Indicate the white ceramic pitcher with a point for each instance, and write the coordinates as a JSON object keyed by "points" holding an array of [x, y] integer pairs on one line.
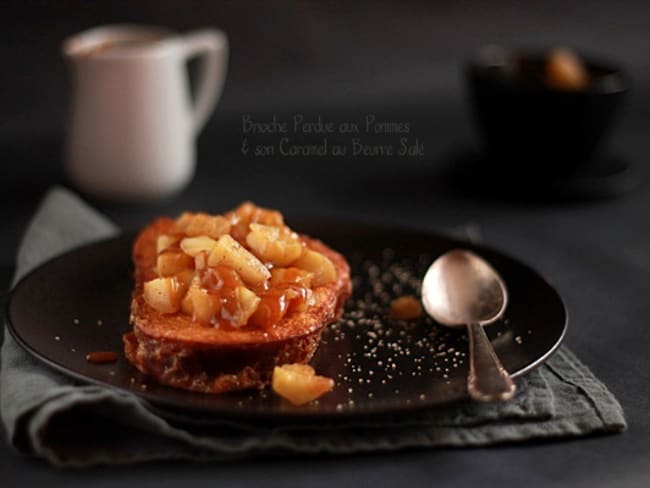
{"points": [[132, 126]]}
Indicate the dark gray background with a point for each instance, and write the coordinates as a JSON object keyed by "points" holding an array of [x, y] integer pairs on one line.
{"points": [[401, 60]]}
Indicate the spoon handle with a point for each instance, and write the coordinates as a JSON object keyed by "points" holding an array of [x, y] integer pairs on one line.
{"points": [[488, 381]]}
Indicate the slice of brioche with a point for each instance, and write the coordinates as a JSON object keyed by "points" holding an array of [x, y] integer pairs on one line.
{"points": [[179, 352]]}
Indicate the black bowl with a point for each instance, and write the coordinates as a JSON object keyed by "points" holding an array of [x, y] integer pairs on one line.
{"points": [[527, 127]]}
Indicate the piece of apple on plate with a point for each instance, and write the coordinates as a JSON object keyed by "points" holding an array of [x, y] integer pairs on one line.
{"points": [[299, 383]]}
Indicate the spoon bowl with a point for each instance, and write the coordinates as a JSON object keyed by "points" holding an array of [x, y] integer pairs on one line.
{"points": [[460, 288]]}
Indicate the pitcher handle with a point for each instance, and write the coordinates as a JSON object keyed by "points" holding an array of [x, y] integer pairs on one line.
{"points": [[212, 47]]}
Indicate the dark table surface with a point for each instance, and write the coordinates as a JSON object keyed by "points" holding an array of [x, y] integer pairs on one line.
{"points": [[400, 61]]}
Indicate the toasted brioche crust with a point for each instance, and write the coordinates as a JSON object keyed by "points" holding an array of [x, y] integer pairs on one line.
{"points": [[179, 352]]}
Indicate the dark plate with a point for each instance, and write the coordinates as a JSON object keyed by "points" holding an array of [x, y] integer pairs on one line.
{"points": [[79, 302]]}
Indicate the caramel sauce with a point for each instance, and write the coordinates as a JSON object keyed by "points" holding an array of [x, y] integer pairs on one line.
{"points": [[239, 230], [277, 301], [101, 357], [220, 278], [271, 309], [178, 258], [172, 248]]}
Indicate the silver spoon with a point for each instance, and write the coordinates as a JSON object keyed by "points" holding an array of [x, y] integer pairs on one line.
{"points": [[462, 290]]}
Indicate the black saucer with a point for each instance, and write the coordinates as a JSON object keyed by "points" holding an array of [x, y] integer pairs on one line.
{"points": [[604, 177]]}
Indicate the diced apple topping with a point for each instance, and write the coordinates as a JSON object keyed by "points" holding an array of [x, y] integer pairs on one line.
{"points": [[299, 384], [195, 245], [300, 299], [165, 241], [245, 304], [245, 268], [281, 277], [323, 269], [253, 214], [275, 245], [201, 261], [170, 263], [187, 307], [164, 294], [231, 253], [200, 304], [248, 213], [201, 224], [296, 286]]}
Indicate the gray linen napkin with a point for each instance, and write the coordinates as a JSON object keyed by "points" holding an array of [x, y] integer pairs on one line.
{"points": [[45, 414]]}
